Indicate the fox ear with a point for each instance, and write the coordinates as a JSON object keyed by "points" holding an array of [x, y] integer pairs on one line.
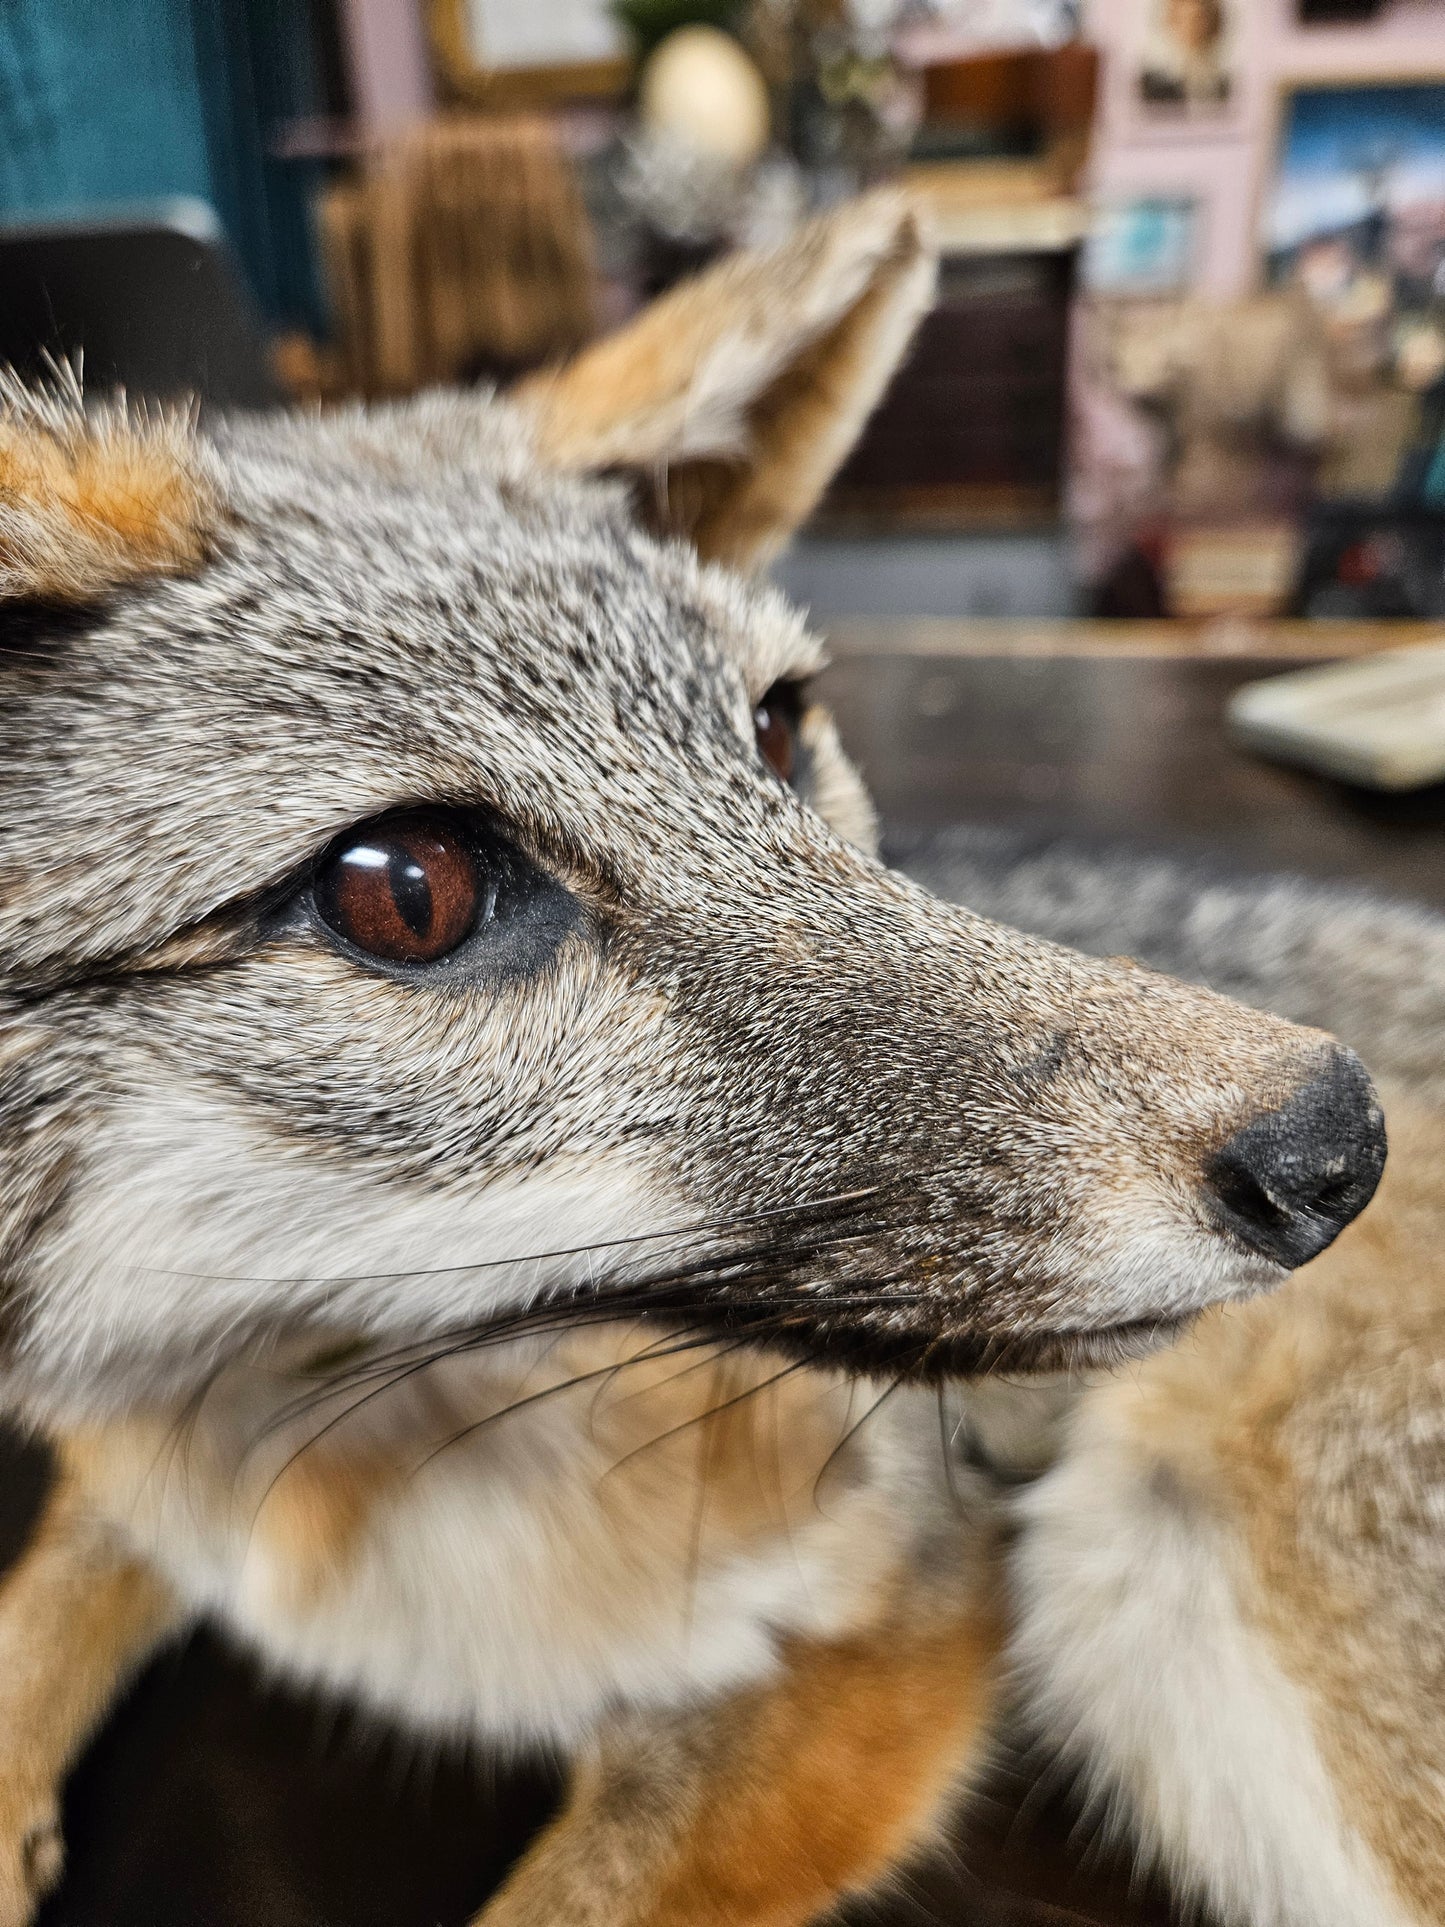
{"points": [[91, 499], [740, 393]]}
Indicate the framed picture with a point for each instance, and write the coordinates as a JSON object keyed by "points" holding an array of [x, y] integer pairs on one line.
{"points": [[1334, 13], [1142, 246], [516, 53], [1186, 69], [1355, 212]]}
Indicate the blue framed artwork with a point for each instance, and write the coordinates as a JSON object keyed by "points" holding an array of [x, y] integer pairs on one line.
{"points": [[1142, 246], [1357, 204]]}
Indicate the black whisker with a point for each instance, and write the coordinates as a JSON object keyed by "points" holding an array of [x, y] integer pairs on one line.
{"points": [[665, 1295], [852, 1432], [684, 1233], [549, 1391], [712, 1412], [533, 1398]]}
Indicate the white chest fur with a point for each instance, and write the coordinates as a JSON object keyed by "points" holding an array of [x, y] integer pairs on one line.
{"points": [[513, 1545]]}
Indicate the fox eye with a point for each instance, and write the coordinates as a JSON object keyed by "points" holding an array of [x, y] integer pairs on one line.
{"points": [[776, 719], [406, 890]]}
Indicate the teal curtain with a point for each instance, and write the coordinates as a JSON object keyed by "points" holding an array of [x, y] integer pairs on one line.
{"points": [[108, 101]]}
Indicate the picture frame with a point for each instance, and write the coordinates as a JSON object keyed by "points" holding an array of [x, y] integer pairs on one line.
{"points": [[509, 55], [1143, 245], [1353, 207], [1336, 13], [1186, 73]]}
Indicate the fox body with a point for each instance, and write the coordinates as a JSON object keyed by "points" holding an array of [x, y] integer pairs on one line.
{"points": [[494, 1176], [1226, 1592]]}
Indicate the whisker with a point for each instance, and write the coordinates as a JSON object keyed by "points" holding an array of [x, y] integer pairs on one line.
{"points": [[852, 1432], [546, 1391], [716, 1351], [642, 1298], [685, 1233], [396, 1373], [713, 1411], [946, 1447], [533, 1398]]}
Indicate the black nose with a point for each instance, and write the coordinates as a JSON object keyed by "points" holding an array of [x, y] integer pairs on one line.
{"points": [[1289, 1182]]}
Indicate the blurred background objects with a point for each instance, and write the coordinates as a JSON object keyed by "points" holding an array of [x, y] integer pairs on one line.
{"points": [[1189, 351], [1176, 422]]}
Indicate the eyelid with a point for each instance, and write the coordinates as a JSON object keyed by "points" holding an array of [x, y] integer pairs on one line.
{"points": [[237, 927], [234, 928]]}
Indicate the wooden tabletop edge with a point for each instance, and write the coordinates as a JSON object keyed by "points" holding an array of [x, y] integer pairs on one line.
{"points": [[1173, 641]]}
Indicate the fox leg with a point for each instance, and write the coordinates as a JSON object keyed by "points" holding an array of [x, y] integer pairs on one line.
{"points": [[766, 1808], [78, 1615]]}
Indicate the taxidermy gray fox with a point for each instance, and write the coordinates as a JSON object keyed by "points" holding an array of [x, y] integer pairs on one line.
{"points": [[493, 1171]]}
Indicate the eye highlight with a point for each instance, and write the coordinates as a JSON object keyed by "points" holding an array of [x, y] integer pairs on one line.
{"points": [[405, 890], [775, 721]]}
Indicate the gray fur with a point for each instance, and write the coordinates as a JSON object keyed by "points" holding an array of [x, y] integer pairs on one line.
{"points": [[1368, 967]]}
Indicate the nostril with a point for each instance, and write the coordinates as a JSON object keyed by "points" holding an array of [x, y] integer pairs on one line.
{"points": [[1290, 1181], [1243, 1196]]}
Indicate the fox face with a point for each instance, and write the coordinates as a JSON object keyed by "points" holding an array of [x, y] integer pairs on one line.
{"points": [[429, 898]]}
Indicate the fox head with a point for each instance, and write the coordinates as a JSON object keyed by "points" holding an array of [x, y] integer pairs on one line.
{"points": [[428, 895]]}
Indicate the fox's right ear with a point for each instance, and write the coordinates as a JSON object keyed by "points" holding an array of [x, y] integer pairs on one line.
{"points": [[93, 498], [736, 396]]}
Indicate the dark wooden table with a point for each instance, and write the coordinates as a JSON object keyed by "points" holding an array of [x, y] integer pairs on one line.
{"points": [[1119, 736], [213, 1800]]}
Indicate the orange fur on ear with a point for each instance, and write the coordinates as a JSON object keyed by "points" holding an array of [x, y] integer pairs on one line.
{"points": [[740, 393], [93, 498]]}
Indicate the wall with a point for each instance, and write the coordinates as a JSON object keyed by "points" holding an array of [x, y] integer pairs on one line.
{"points": [[1228, 170], [98, 104], [387, 61], [109, 102]]}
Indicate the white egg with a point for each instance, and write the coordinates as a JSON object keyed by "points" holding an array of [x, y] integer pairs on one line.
{"points": [[700, 87]]}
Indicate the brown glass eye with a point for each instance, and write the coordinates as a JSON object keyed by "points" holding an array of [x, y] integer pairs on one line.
{"points": [[406, 891], [776, 720]]}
